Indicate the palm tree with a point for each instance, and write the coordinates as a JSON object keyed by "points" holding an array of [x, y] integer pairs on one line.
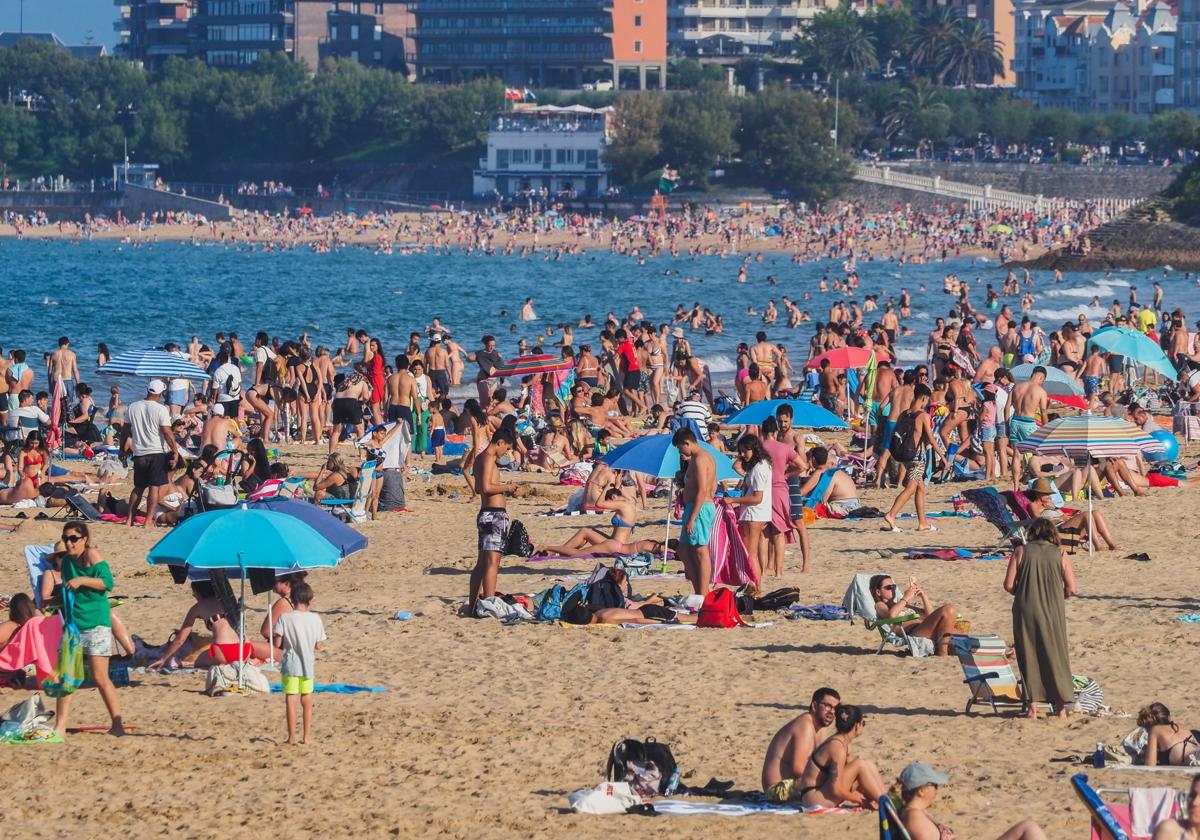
{"points": [[837, 42], [971, 55], [919, 112], [930, 37]]}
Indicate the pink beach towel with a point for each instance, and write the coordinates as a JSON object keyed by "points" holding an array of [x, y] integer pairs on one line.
{"points": [[36, 643], [730, 560]]}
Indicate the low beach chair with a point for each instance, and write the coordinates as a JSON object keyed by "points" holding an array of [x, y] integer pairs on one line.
{"points": [[986, 669], [857, 603], [1105, 823], [355, 508], [1136, 811], [890, 826], [995, 510]]}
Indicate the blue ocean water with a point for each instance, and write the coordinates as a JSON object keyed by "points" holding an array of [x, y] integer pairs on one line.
{"points": [[137, 297]]}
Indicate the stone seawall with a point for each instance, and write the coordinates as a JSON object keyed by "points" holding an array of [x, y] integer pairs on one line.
{"points": [[1052, 180]]}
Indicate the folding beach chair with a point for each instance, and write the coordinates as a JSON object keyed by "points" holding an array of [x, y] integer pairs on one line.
{"points": [[994, 509], [80, 506], [857, 603], [355, 508], [890, 826], [1104, 821], [985, 665]]}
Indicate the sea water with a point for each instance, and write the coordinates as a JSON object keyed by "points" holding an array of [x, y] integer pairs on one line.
{"points": [[132, 298]]}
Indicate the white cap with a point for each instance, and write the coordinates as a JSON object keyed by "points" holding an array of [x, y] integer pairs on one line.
{"points": [[218, 410], [437, 336], [156, 386]]}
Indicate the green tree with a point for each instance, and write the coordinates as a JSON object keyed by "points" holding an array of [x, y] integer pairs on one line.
{"points": [[920, 113], [1171, 131], [891, 28], [836, 42], [688, 73], [636, 141], [784, 137], [929, 37], [1008, 120], [970, 55], [697, 129]]}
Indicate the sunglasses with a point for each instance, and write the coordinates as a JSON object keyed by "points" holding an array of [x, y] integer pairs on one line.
{"points": [[890, 586], [73, 538]]}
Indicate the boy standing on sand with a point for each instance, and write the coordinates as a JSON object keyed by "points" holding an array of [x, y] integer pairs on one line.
{"points": [[298, 634], [492, 521]]}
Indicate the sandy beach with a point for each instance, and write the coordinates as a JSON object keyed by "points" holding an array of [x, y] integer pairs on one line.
{"points": [[485, 729]]}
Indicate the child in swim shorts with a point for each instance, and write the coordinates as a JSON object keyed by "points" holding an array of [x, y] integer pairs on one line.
{"points": [[298, 634]]}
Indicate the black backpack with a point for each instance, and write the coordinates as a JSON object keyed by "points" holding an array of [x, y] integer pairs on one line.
{"points": [[605, 593], [777, 599], [628, 751], [904, 440], [519, 544]]}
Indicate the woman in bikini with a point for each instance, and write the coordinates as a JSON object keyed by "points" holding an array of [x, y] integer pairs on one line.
{"points": [[1167, 743], [918, 788], [476, 422], [591, 541], [833, 776], [306, 382], [225, 647]]}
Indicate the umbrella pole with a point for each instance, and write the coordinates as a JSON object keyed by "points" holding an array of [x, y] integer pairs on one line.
{"points": [[670, 510], [242, 627], [271, 631], [1091, 526]]}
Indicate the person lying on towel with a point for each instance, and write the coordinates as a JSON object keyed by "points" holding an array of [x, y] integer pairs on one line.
{"points": [[829, 491]]}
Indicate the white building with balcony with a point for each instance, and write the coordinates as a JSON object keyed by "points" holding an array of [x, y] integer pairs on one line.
{"points": [[731, 29], [1096, 55], [536, 148]]}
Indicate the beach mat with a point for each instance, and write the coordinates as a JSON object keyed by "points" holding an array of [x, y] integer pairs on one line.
{"points": [[951, 554], [336, 688], [690, 808], [817, 612]]}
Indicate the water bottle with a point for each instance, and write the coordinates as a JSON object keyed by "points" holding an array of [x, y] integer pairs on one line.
{"points": [[673, 784], [1098, 758]]}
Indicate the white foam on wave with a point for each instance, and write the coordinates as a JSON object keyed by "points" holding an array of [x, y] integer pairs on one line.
{"points": [[719, 364], [910, 354], [1069, 313], [1106, 289]]}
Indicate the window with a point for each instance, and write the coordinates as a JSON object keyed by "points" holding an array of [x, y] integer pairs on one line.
{"points": [[637, 46], [378, 32], [354, 32], [354, 55], [637, 20], [377, 56], [356, 7], [333, 32], [502, 158], [378, 8], [592, 158]]}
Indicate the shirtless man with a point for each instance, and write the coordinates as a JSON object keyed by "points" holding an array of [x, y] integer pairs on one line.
{"points": [[437, 363], [792, 745], [64, 366], [986, 372], [902, 397], [766, 356], [1009, 342], [699, 513], [527, 313], [492, 521], [828, 385], [1030, 406], [840, 494], [1094, 367], [885, 384], [401, 387], [216, 428]]}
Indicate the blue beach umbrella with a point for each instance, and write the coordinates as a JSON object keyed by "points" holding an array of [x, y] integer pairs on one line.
{"points": [[805, 415], [243, 539], [153, 364], [342, 536], [1058, 383], [655, 455], [1136, 345]]}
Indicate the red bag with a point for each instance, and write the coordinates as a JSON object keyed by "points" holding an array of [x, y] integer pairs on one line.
{"points": [[719, 610]]}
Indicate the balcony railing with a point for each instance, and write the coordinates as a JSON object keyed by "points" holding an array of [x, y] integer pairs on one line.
{"points": [[500, 5], [501, 31]]}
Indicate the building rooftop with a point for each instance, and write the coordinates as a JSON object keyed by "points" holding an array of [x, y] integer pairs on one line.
{"points": [[82, 51]]}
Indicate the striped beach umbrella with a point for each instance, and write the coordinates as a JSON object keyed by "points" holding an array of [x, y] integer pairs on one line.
{"points": [[153, 364], [1090, 434], [529, 365]]}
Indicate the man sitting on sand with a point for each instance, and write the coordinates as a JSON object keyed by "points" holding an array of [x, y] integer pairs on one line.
{"points": [[829, 486], [792, 745]]}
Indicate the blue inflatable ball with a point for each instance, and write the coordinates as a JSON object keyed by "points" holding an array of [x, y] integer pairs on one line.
{"points": [[1170, 450]]}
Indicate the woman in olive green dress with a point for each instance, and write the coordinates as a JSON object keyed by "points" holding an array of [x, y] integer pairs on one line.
{"points": [[1040, 579]]}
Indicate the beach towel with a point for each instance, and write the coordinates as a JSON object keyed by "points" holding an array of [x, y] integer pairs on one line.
{"points": [[730, 560], [689, 808], [951, 554], [35, 560], [658, 626], [1150, 806], [1120, 813], [337, 688], [36, 643], [817, 612]]}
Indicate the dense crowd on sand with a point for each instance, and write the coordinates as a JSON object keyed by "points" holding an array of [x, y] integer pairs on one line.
{"points": [[802, 471], [839, 231]]}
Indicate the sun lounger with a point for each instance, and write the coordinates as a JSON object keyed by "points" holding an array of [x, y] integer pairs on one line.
{"points": [[35, 560]]}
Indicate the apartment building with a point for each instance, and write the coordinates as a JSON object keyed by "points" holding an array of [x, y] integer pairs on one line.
{"points": [[731, 29], [151, 31]]}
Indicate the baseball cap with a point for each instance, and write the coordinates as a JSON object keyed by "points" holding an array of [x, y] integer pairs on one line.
{"points": [[437, 336], [918, 775], [156, 386], [218, 410]]}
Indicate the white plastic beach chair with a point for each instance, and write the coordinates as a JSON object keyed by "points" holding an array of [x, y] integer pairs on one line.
{"points": [[356, 507]]}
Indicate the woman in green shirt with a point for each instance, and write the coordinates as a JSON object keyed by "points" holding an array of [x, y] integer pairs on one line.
{"points": [[87, 575]]}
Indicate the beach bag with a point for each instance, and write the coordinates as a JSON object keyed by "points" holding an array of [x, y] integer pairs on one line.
{"points": [[1089, 696], [604, 798], [68, 670], [648, 766], [550, 607], [578, 594], [28, 713], [519, 544], [719, 610], [225, 679], [605, 594], [219, 496], [903, 444], [743, 598], [777, 599]]}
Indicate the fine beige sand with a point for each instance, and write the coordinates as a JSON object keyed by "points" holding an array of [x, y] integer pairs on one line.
{"points": [[485, 729]]}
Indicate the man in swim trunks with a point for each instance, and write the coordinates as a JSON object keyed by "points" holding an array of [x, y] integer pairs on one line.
{"points": [[492, 521], [1094, 367], [437, 361], [1030, 404], [699, 513], [793, 744]]}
